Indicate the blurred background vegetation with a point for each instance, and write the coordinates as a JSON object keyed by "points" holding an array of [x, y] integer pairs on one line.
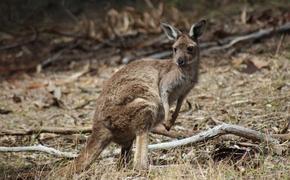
{"points": [[15, 13], [53, 27]]}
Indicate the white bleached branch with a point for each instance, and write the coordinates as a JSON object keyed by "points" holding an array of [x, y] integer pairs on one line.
{"points": [[39, 148]]}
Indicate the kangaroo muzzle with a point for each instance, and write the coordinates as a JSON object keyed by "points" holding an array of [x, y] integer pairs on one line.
{"points": [[180, 61]]}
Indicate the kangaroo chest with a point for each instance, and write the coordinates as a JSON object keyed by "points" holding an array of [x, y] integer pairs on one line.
{"points": [[179, 89]]}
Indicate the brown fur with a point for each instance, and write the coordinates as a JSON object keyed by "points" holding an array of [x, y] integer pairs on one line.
{"points": [[136, 99]]}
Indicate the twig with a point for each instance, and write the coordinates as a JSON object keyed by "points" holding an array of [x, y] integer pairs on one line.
{"points": [[279, 44], [200, 137], [69, 13], [75, 76], [54, 57], [76, 35], [17, 44], [287, 126]]}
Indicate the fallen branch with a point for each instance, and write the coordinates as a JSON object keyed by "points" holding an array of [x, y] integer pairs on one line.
{"points": [[216, 131], [252, 36], [228, 42], [39, 148], [77, 130], [55, 130]]}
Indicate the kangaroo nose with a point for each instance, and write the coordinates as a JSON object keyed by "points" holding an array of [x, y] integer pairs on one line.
{"points": [[180, 61]]}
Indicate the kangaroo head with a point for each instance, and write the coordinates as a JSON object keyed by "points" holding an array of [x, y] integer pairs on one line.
{"points": [[185, 46]]}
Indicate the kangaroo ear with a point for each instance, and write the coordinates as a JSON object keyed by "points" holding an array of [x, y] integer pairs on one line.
{"points": [[197, 29], [171, 32]]}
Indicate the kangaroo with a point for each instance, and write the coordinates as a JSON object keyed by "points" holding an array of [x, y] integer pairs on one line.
{"points": [[137, 98]]}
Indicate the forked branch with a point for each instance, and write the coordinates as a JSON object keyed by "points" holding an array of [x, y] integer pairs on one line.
{"points": [[216, 131]]}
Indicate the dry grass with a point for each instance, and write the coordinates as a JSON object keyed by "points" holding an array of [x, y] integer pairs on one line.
{"points": [[193, 169], [260, 100]]}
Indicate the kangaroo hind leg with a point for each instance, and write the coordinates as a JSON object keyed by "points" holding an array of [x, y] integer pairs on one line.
{"points": [[125, 156], [141, 153], [96, 143]]}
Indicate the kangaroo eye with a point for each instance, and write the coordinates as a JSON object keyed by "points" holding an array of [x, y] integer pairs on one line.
{"points": [[174, 49], [190, 49]]}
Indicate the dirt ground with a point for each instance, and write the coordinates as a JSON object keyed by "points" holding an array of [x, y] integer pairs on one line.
{"points": [[247, 85], [229, 90]]}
